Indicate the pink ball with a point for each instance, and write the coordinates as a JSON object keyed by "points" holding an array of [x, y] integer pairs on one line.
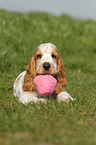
{"points": [[45, 84]]}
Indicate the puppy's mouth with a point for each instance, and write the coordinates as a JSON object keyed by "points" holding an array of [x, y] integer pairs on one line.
{"points": [[47, 73], [44, 73]]}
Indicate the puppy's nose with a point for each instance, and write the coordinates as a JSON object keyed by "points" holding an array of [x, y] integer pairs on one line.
{"points": [[46, 66]]}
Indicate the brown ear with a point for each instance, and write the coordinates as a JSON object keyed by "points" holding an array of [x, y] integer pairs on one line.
{"points": [[30, 75], [61, 77]]}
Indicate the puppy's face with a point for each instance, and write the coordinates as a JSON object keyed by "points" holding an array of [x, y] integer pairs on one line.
{"points": [[46, 59]]}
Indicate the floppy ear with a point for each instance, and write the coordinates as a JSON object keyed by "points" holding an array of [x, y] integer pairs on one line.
{"points": [[61, 77], [30, 75], [31, 67]]}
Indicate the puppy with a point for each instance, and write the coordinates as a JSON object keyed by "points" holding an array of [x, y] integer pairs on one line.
{"points": [[46, 59]]}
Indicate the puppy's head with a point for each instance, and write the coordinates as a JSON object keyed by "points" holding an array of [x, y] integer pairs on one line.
{"points": [[46, 59]]}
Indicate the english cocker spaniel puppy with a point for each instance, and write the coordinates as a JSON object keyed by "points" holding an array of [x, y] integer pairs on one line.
{"points": [[46, 59]]}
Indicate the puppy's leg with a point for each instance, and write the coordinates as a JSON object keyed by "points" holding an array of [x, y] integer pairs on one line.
{"points": [[64, 96], [27, 97]]}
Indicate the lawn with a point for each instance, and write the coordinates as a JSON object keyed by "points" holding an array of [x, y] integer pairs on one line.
{"points": [[52, 123]]}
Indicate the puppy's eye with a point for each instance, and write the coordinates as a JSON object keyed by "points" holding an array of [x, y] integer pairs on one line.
{"points": [[53, 56], [38, 56]]}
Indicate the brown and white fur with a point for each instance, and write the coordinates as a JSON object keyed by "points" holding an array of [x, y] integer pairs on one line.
{"points": [[46, 59]]}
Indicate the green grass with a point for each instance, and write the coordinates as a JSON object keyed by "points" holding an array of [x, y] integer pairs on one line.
{"points": [[54, 123]]}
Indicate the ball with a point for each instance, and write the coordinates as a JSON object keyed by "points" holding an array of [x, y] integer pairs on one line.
{"points": [[45, 84]]}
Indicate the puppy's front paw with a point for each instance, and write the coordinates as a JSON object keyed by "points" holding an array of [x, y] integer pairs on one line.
{"points": [[63, 96]]}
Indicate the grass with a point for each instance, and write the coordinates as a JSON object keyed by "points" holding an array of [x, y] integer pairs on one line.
{"points": [[54, 123]]}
